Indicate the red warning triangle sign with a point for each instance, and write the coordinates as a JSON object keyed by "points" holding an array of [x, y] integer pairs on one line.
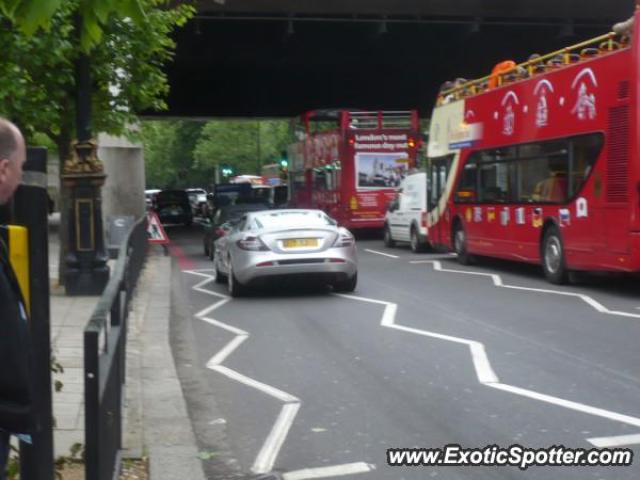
{"points": [[155, 231]]}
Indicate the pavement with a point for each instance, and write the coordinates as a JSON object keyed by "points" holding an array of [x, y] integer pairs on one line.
{"points": [[157, 424]]}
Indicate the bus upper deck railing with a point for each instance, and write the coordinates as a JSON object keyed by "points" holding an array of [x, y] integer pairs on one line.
{"points": [[536, 65]]}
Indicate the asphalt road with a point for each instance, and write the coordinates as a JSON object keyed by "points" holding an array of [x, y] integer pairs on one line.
{"points": [[310, 384]]}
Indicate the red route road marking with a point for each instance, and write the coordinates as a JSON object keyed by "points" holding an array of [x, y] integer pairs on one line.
{"points": [[184, 261]]}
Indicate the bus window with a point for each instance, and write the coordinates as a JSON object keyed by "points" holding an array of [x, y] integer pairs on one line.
{"points": [[542, 172], [297, 181], [437, 178], [337, 176], [468, 183], [494, 182], [586, 150], [319, 180]]}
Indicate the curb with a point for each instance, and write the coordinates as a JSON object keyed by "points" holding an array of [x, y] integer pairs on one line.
{"points": [[168, 436]]}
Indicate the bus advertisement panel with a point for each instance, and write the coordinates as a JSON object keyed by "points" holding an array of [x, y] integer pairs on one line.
{"points": [[542, 164], [350, 164]]}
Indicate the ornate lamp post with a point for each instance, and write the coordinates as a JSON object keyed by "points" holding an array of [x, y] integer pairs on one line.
{"points": [[87, 272]]}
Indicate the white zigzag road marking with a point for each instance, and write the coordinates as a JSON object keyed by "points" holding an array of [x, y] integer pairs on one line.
{"points": [[486, 375], [609, 442], [271, 447], [497, 281], [334, 471]]}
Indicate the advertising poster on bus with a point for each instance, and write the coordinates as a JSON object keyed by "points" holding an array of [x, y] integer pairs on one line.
{"points": [[381, 170]]}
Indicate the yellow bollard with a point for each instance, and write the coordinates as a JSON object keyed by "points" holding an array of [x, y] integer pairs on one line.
{"points": [[17, 239]]}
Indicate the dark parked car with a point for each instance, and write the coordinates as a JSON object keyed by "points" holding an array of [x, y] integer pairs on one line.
{"points": [[223, 219], [173, 206]]}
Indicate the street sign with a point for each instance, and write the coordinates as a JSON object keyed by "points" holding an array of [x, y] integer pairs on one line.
{"points": [[155, 232]]}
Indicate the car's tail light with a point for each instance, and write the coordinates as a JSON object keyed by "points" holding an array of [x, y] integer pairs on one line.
{"points": [[337, 260], [253, 244], [344, 240], [423, 219], [220, 232], [266, 264]]}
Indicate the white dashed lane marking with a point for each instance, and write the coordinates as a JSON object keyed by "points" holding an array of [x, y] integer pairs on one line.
{"points": [[380, 253]]}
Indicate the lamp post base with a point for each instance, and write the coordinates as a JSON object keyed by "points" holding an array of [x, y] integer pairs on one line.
{"points": [[87, 272]]}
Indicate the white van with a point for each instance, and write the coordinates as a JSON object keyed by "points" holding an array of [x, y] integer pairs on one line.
{"points": [[406, 217]]}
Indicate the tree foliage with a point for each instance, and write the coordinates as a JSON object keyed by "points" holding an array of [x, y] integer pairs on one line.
{"points": [[180, 154], [31, 15], [244, 145], [38, 90], [169, 161]]}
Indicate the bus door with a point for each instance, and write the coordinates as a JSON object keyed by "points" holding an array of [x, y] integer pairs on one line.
{"points": [[437, 203]]}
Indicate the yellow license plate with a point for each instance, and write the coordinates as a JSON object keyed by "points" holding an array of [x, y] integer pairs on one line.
{"points": [[300, 242]]}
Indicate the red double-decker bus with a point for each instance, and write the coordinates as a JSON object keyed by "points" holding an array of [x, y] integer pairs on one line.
{"points": [[350, 163], [539, 162]]}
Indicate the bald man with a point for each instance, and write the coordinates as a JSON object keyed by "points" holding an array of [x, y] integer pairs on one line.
{"points": [[15, 345]]}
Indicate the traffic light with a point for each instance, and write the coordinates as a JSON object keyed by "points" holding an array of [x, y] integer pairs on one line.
{"points": [[284, 159], [227, 170]]}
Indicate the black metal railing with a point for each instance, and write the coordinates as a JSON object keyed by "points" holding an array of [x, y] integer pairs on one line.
{"points": [[105, 340]]}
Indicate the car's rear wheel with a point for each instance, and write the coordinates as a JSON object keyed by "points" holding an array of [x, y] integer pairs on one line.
{"points": [[236, 289], [416, 246], [220, 277], [346, 286], [388, 239]]}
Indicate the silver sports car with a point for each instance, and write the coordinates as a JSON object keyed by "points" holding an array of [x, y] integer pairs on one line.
{"points": [[273, 244]]}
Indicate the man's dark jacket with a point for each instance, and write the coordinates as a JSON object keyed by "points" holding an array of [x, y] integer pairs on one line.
{"points": [[15, 354]]}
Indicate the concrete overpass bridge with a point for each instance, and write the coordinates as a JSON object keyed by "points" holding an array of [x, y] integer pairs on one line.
{"points": [[280, 57]]}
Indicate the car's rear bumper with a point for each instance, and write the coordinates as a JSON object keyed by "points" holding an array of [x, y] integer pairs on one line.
{"points": [[335, 264]]}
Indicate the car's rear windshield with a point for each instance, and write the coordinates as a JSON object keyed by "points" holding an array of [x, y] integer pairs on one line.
{"points": [[236, 213], [172, 196], [292, 219]]}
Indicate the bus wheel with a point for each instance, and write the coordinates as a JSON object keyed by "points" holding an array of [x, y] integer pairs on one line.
{"points": [[553, 261], [416, 246], [388, 239], [460, 245]]}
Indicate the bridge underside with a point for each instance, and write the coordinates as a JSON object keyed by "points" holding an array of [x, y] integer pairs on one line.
{"points": [[274, 58]]}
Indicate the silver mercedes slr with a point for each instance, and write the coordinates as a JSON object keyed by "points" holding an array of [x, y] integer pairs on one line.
{"points": [[268, 246]]}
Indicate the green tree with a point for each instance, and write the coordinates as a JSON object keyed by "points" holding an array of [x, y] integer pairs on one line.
{"points": [[38, 72], [242, 144], [30, 15], [159, 139], [38, 88], [169, 159]]}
